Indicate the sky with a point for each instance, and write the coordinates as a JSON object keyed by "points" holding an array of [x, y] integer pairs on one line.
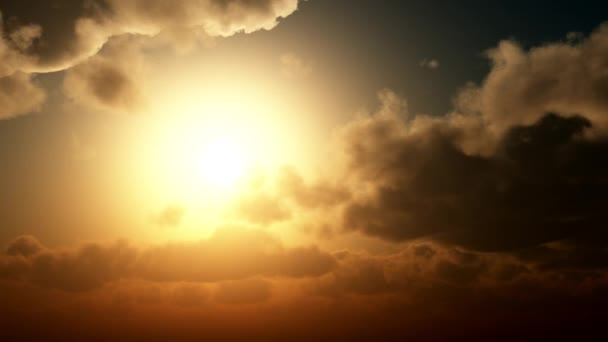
{"points": [[303, 170]]}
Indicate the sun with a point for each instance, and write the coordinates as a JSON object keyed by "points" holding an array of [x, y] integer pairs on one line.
{"points": [[222, 163]]}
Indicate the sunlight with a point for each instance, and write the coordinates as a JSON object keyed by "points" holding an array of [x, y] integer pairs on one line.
{"points": [[221, 163]]}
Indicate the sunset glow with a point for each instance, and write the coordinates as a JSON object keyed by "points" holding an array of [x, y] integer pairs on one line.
{"points": [[303, 170]]}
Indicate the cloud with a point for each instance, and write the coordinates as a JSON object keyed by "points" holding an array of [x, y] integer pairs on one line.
{"points": [[263, 209], [190, 295], [230, 254], [566, 78], [293, 66], [429, 64], [405, 293], [109, 80], [47, 36], [26, 246], [40, 37], [19, 94], [413, 180], [321, 194]]}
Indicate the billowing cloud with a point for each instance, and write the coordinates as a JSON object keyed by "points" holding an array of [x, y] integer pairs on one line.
{"points": [[109, 80], [56, 35], [566, 78], [39, 37], [366, 296], [231, 254], [248, 291], [541, 184], [19, 94], [26, 245], [318, 194]]}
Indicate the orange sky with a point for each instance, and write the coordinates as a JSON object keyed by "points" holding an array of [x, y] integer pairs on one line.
{"points": [[248, 170]]}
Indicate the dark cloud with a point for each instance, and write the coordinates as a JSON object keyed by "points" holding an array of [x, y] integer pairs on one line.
{"points": [[422, 267], [364, 297], [543, 183]]}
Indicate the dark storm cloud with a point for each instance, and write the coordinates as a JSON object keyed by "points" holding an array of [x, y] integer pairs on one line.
{"points": [[420, 266], [230, 254], [544, 182]]}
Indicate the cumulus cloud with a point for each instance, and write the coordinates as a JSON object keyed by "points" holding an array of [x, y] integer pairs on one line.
{"points": [[415, 180], [56, 35], [19, 94], [38, 37], [321, 194], [566, 78], [231, 254], [109, 80]]}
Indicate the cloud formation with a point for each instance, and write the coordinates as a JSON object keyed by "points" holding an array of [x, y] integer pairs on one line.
{"points": [[19, 94], [230, 254], [39, 37], [567, 78], [542, 183]]}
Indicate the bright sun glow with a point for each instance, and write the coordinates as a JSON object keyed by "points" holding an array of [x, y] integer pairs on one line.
{"points": [[221, 163]]}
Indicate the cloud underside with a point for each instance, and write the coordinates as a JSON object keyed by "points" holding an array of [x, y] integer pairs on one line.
{"points": [[40, 37], [247, 278]]}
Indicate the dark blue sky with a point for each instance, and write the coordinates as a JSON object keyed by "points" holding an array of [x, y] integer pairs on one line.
{"points": [[387, 39]]}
